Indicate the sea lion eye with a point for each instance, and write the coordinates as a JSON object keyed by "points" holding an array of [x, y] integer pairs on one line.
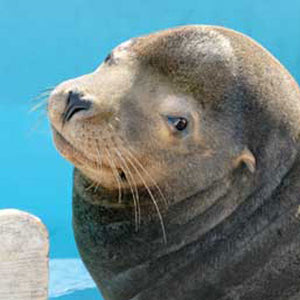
{"points": [[180, 123]]}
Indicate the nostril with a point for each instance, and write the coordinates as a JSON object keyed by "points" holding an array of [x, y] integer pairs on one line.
{"points": [[74, 104]]}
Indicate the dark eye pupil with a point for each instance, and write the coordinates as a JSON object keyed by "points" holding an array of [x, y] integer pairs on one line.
{"points": [[181, 123]]}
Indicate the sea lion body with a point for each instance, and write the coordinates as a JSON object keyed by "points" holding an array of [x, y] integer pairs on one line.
{"points": [[195, 194]]}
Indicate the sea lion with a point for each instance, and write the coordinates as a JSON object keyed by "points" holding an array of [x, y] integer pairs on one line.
{"points": [[186, 148]]}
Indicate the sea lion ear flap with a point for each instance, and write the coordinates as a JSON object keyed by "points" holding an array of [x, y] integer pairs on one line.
{"points": [[247, 158]]}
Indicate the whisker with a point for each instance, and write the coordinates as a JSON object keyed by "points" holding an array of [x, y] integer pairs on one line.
{"points": [[116, 175], [93, 184], [38, 105], [49, 89], [135, 194], [149, 176], [99, 162], [152, 198], [43, 96], [41, 115]]}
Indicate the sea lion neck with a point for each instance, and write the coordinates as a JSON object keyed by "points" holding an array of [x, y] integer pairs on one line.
{"points": [[108, 231]]}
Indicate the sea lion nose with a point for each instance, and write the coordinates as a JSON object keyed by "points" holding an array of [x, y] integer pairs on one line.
{"points": [[74, 104]]}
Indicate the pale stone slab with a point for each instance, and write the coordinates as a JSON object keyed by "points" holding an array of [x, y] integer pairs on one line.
{"points": [[24, 248]]}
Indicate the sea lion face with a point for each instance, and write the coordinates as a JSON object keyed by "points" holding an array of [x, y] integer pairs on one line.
{"points": [[152, 114]]}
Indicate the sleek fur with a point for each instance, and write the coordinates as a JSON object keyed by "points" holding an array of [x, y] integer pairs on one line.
{"points": [[210, 213]]}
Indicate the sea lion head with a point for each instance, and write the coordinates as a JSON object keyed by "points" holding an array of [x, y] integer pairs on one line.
{"points": [[164, 110], [202, 117]]}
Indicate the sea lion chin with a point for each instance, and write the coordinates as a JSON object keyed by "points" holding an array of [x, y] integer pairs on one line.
{"points": [[185, 144]]}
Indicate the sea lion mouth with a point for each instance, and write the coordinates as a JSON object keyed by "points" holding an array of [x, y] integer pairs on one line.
{"points": [[77, 157]]}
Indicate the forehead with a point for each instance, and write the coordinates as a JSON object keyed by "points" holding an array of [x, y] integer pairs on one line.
{"points": [[195, 60]]}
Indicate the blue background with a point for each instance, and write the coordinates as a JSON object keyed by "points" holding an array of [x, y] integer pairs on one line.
{"points": [[46, 42]]}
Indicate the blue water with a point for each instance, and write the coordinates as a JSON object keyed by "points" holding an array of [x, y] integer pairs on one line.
{"points": [[45, 42]]}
